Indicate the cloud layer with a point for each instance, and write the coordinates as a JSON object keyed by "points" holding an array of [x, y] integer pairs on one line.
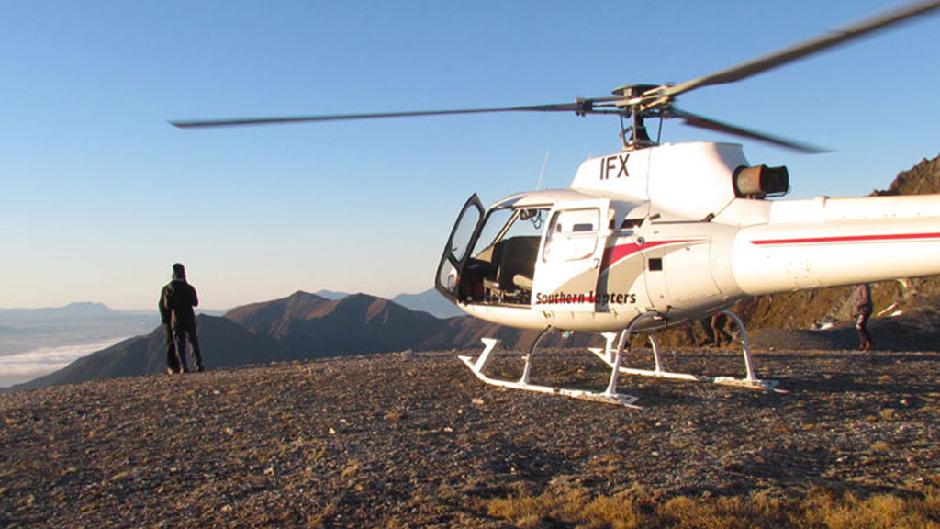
{"points": [[23, 367]]}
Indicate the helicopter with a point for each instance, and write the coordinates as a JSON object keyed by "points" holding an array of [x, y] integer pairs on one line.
{"points": [[660, 234]]}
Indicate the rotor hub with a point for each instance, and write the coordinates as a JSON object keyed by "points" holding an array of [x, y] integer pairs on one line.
{"points": [[633, 90]]}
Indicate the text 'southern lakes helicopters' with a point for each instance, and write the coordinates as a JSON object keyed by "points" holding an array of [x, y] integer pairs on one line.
{"points": [[660, 234]]}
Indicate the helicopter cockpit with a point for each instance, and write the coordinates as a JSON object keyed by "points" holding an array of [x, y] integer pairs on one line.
{"points": [[491, 259], [505, 264], [492, 255]]}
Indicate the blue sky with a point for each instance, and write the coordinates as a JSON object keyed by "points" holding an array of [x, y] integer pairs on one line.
{"points": [[99, 195]]}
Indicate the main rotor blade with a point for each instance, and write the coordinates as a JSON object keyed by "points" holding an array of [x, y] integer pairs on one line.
{"points": [[581, 106], [801, 50], [700, 122]]}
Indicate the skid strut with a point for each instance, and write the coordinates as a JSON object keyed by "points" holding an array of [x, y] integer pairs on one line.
{"points": [[749, 380], [660, 371], [609, 396]]}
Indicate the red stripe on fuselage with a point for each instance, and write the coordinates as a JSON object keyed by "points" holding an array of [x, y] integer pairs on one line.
{"points": [[613, 254], [852, 238]]}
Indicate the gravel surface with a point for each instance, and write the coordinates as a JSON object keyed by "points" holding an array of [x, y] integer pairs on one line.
{"points": [[414, 440]]}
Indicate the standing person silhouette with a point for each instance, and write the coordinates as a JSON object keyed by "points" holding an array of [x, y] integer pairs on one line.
{"points": [[178, 299], [863, 309], [172, 359]]}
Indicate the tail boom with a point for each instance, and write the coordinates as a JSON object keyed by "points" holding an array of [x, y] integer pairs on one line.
{"points": [[839, 242]]}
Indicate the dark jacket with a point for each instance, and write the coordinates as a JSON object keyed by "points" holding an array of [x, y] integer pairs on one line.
{"points": [[177, 301]]}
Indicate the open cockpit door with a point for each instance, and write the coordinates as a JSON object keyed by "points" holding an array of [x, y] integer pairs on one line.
{"points": [[568, 270], [457, 250]]}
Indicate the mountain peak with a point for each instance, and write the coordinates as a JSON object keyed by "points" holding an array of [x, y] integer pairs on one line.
{"points": [[330, 294], [302, 294], [363, 295], [85, 306], [430, 301]]}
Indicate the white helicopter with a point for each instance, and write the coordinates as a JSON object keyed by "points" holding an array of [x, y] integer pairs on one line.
{"points": [[661, 234]]}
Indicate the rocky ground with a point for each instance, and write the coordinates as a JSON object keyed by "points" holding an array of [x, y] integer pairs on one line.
{"points": [[414, 440]]}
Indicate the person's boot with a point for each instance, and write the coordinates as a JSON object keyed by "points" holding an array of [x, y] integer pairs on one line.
{"points": [[197, 360]]}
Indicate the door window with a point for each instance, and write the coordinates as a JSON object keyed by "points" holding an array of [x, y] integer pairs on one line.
{"points": [[463, 232], [455, 252], [572, 235]]}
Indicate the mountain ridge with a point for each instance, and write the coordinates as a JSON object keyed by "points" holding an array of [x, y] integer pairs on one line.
{"points": [[300, 326], [146, 354]]}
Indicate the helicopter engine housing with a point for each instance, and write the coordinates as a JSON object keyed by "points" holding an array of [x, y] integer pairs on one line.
{"points": [[692, 180]]}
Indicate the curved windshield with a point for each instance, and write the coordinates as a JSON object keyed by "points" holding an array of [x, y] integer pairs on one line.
{"points": [[507, 223]]}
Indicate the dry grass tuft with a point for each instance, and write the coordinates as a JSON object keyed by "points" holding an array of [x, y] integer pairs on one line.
{"points": [[826, 509], [888, 414], [617, 512], [394, 415], [352, 469], [638, 508], [527, 511], [756, 510]]}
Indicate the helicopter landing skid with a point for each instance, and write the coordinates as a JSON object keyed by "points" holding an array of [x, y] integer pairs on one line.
{"points": [[608, 355], [608, 396], [660, 371], [749, 380]]}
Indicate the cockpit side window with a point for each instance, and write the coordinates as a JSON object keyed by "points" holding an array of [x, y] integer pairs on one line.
{"points": [[572, 235]]}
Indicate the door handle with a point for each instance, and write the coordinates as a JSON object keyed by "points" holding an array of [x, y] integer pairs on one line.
{"points": [[597, 262]]}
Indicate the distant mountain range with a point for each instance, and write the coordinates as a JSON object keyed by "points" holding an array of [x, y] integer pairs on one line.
{"points": [[430, 301], [79, 310], [24, 330], [297, 327], [226, 343], [308, 325]]}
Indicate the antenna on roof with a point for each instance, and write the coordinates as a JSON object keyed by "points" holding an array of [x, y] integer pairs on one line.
{"points": [[542, 172]]}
